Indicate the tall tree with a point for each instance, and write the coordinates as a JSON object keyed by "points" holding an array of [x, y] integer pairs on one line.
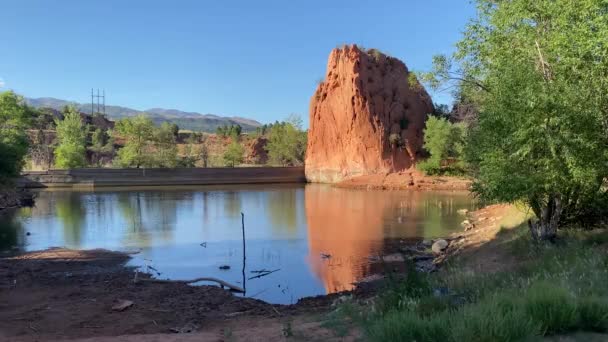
{"points": [[71, 135], [287, 142], [165, 154], [137, 132], [538, 73], [234, 154], [15, 118]]}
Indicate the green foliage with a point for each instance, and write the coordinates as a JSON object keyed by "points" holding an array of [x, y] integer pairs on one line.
{"points": [[445, 143], [15, 118], [551, 291], [552, 306], [99, 138], [229, 131], [534, 69], [287, 142], [138, 132], [593, 313], [165, 146], [234, 154], [71, 135]]}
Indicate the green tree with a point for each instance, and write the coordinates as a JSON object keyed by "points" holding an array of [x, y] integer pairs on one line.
{"points": [[99, 139], [15, 118], [287, 142], [445, 143], [538, 73], [234, 154], [71, 135], [137, 132], [165, 154]]}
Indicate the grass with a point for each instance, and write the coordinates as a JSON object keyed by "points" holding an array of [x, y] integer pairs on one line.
{"points": [[556, 289]]}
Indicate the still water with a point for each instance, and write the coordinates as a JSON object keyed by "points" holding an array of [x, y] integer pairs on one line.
{"points": [[189, 232]]}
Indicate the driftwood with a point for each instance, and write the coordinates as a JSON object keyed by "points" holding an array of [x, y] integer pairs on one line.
{"points": [[219, 281], [263, 274]]}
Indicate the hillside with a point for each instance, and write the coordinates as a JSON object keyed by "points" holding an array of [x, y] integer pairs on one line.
{"points": [[185, 120]]}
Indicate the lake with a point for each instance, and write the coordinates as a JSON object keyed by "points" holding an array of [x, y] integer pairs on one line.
{"points": [[189, 232]]}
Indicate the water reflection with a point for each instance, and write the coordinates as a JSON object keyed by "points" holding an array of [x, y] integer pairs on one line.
{"points": [[352, 225], [188, 232], [70, 210]]}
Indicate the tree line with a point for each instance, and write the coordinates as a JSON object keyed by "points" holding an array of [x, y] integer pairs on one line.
{"points": [[132, 143]]}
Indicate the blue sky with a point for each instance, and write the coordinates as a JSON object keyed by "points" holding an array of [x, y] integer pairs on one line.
{"points": [[258, 59]]}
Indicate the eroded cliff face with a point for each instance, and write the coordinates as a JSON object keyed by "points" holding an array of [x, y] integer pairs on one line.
{"points": [[364, 117]]}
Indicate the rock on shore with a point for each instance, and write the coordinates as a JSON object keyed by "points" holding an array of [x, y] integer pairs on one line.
{"points": [[364, 117]]}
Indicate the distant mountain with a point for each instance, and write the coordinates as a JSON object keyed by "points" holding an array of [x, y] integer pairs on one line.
{"points": [[185, 120]]}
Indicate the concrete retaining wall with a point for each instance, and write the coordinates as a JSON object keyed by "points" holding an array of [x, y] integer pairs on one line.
{"points": [[150, 177]]}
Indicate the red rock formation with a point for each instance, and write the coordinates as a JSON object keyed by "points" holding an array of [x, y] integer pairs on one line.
{"points": [[256, 151], [364, 117]]}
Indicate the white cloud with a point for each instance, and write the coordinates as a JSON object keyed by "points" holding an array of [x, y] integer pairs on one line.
{"points": [[2, 83]]}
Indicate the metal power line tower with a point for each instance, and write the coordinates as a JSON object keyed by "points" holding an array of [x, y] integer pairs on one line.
{"points": [[101, 107]]}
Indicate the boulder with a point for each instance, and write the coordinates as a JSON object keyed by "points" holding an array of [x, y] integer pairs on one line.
{"points": [[439, 246], [365, 117]]}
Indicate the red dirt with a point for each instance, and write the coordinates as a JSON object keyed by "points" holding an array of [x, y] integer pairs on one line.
{"points": [[406, 180]]}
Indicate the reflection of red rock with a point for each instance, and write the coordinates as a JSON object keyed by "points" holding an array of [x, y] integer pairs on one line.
{"points": [[351, 226], [364, 118]]}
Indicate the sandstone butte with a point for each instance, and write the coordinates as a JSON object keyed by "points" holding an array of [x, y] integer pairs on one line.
{"points": [[365, 118]]}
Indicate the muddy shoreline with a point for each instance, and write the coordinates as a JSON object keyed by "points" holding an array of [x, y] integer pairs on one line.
{"points": [[59, 293], [11, 198]]}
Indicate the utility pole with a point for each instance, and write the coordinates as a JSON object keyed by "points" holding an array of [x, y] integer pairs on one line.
{"points": [[101, 106]]}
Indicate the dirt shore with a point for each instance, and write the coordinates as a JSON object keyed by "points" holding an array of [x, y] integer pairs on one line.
{"points": [[406, 180], [61, 294]]}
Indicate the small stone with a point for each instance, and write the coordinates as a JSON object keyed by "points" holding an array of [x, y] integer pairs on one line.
{"points": [[427, 243], [122, 305], [463, 211], [439, 246]]}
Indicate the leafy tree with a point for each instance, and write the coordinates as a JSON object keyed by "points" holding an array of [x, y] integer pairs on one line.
{"points": [[174, 129], [234, 154], [287, 142], [71, 135], [165, 154], [445, 143], [15, 118], [137, 131], [99, 139], [537, 71]]}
